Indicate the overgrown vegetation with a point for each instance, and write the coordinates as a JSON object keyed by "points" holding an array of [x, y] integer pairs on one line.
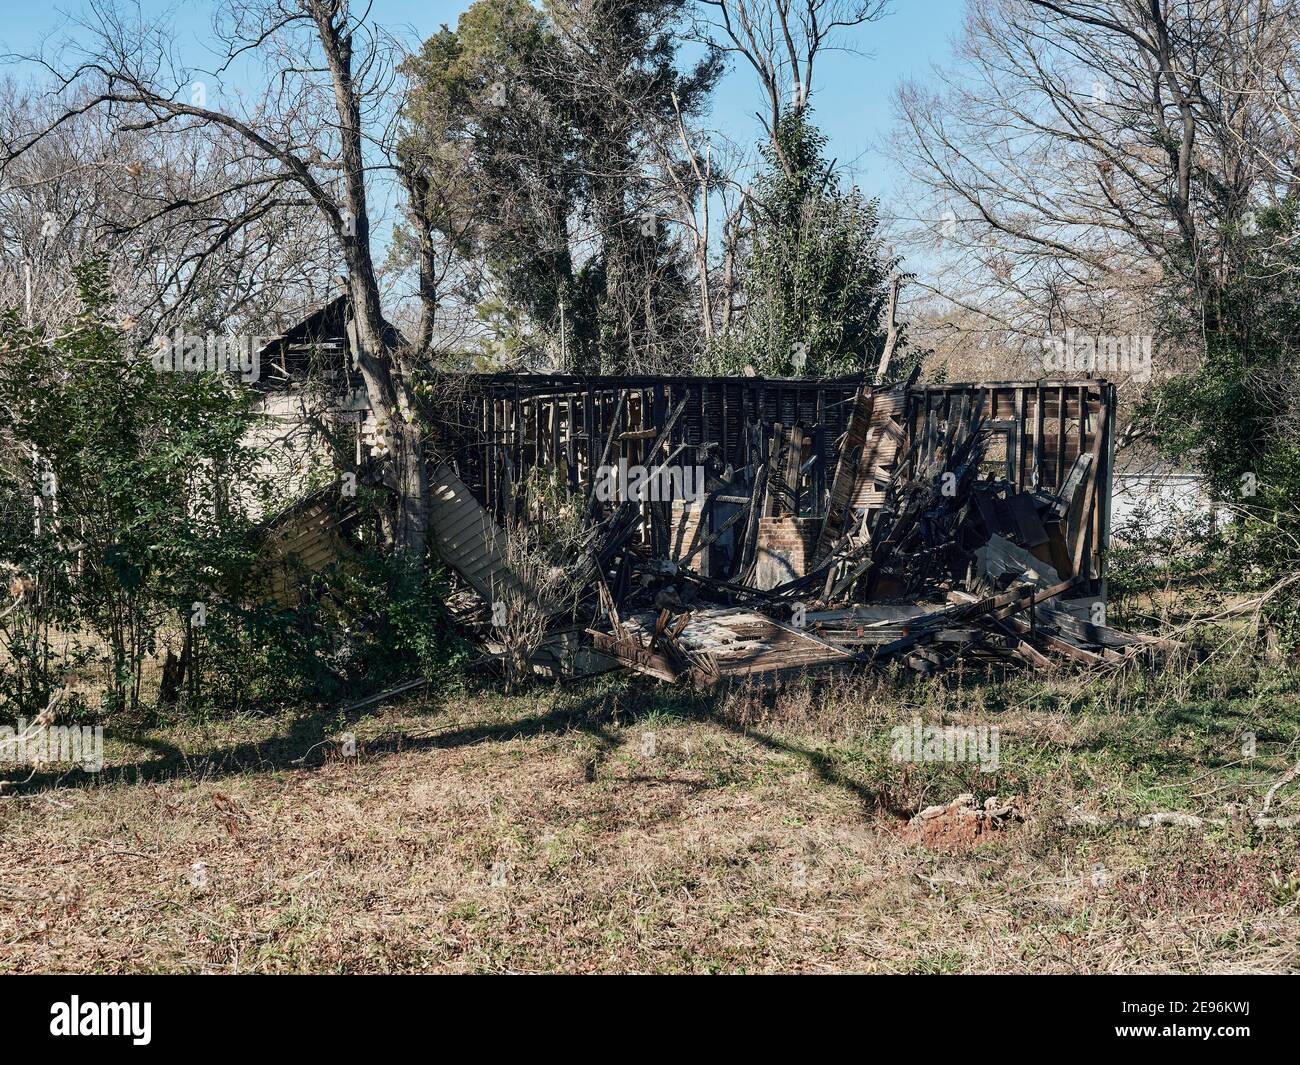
{"points": [[1233, 418], [615, 826], [122, 519], [535, 146], [564, 205], [129, 534]]}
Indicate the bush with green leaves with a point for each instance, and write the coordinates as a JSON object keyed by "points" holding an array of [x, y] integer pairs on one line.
{"points": [[126, 473], [387, 623], [128, 498], [1236, 417], [366, 625], [1157, 549]]}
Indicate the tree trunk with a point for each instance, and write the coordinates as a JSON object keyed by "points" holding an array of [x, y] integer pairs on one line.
{"points": [[380, 347], [413, 494]]}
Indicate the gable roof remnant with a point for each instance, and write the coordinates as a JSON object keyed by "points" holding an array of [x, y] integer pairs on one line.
{"points": [[323, 331], [975, 515]]}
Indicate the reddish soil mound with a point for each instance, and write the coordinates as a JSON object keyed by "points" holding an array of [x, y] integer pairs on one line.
{"points": [[963, 823]]}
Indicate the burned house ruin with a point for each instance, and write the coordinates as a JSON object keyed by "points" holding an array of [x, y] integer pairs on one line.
{"points": [[738, 526], [808, 462], [834, 521]]}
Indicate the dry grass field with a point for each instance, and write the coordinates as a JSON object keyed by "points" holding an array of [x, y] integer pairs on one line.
{"points": [[615, 827]]}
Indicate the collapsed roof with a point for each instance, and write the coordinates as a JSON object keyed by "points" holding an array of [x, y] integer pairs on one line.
{"points": [[777, 526]]}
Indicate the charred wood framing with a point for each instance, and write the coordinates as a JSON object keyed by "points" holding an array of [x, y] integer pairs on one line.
{"points": [[822, 449]]}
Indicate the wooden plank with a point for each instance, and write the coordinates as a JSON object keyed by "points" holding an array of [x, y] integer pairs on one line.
{"points": [[1016, 446], [844, 483], [1058, 470], [633, 656], [1089, 495], [790, 477]]}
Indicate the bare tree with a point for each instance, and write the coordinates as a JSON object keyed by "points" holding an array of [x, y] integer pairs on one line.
{"points": [[316, 134], [698, 170], [781, 40], [150, 210], [1083, 157]]}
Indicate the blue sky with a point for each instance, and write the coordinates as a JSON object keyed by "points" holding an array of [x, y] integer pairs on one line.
{"points": [[852, 93]]}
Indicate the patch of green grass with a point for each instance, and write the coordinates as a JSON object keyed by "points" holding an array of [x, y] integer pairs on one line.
{"points": [[942, 963]]}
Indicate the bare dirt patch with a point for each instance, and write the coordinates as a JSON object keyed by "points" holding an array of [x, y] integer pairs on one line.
{"points": [[963, 823]]}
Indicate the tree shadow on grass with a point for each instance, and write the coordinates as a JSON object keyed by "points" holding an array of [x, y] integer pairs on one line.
{"points": [[312, 740]]}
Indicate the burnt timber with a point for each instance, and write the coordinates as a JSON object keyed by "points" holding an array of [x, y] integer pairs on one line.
{"points": [[801, 436], [832, 523]]}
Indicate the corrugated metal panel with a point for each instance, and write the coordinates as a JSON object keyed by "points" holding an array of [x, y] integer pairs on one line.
{"points": [[301, 544], [467, 538]]}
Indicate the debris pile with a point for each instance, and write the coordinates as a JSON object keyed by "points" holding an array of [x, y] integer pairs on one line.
{"points": [[963, 523]]}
